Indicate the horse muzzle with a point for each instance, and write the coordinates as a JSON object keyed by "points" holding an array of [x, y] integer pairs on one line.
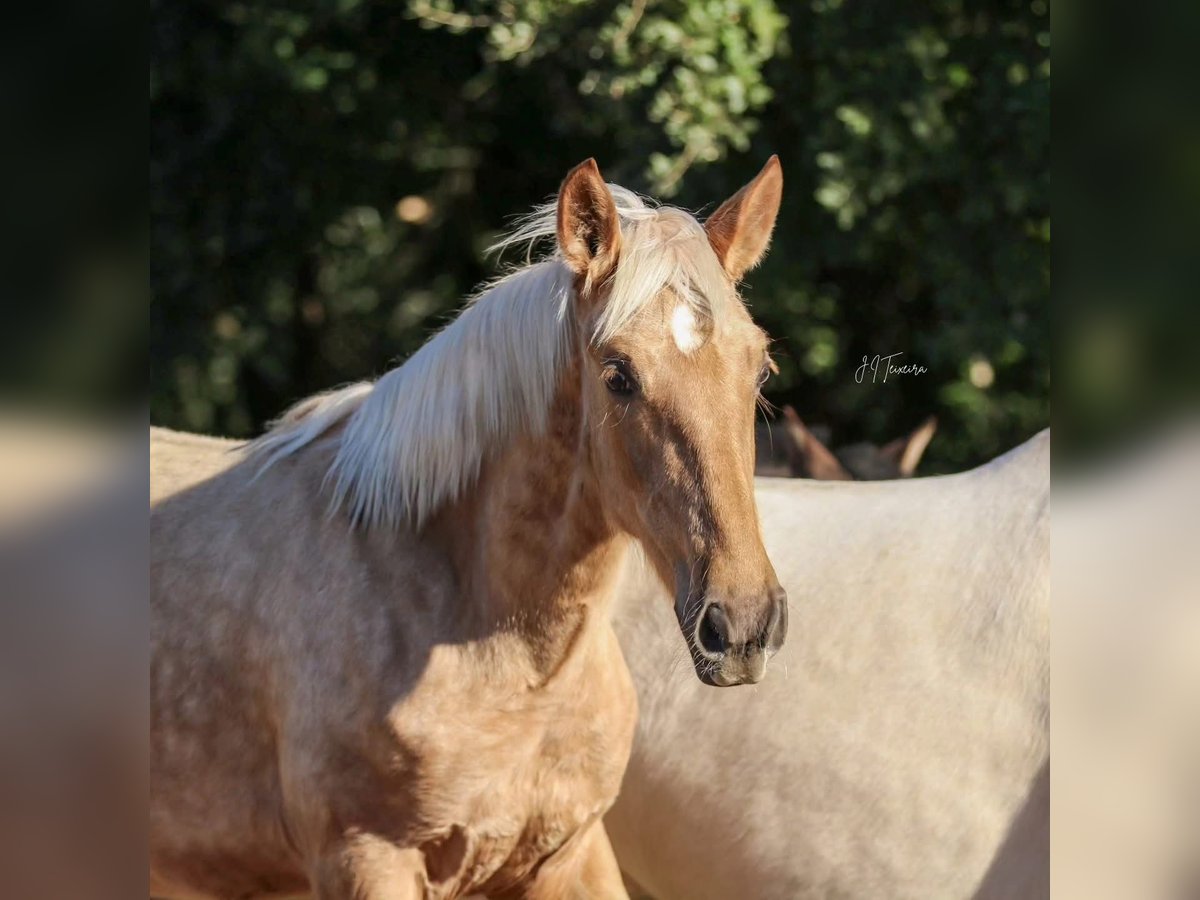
{"points": [[731, 642]]}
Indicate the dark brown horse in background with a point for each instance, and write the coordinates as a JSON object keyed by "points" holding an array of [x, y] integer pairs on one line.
{"points": [[791, 449]]}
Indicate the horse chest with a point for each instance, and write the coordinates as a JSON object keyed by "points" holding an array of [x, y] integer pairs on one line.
{"points": [[532, 774]]}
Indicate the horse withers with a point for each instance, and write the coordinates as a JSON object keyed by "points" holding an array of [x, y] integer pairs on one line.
{"points": [[382, 658]]}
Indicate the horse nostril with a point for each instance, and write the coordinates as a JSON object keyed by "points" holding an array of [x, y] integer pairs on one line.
{"points": [[713, 633], [777, 623]]}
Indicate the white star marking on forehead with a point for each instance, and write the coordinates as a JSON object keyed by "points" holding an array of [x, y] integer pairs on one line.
{"points": [[685, 328]]}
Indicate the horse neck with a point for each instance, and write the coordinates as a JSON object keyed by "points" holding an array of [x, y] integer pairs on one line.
{"points": [[540, 553]]}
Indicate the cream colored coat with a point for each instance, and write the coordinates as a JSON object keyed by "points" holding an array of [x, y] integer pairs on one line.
{"points": [[902, 751]]}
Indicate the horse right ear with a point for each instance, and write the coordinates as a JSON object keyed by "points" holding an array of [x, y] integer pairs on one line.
{"points": [[740, 230], [589, 232], [807, 456]]}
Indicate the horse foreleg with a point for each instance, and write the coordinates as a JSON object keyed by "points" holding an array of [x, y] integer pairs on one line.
{"points": [[367, 867], [584, 870]]}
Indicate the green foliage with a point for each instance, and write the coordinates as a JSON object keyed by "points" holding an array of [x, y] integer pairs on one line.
{"points": [[326, 173]]}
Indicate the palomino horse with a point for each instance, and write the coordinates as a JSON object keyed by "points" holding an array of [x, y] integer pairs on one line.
{"points": [[382, 658], [791, 448], [905, 752]]}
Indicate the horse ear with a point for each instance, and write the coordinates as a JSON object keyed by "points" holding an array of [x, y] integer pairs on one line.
{"points": [[740, 229], [589, 232], [807, 456], [906, 451]]}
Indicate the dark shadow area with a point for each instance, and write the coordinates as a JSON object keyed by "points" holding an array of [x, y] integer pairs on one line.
{"points": [[1021, 867]]}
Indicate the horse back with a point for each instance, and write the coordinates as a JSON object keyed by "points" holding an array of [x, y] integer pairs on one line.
{"points": [[179, 460]]}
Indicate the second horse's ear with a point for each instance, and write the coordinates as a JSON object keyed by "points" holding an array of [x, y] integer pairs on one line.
{"points": [[807, 456], [740, 230], [906, 451], [589, 231]]}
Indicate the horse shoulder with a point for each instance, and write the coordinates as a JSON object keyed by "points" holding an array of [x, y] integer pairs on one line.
{"points": [[514, 769]]}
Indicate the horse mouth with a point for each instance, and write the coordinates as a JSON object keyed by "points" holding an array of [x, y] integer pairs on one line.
{"points": [[716, 673], [713, 678], [707, 665]]}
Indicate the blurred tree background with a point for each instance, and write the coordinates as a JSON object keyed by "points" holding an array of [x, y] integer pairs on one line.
{"points": [[325, 176]]}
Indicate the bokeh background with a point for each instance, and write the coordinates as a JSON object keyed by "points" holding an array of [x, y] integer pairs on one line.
{"points": [[325, 176]]}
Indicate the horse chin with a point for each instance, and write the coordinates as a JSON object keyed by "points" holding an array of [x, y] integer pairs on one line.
{"points": [[717, 677], [712, 677]]}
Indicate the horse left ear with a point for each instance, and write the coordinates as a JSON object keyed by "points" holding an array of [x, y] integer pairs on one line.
{"points": [[589, 232], [740, 229], [807, 456], [906, 451]]}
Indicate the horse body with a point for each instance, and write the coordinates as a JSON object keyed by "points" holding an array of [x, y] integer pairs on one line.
{"points": [[358, 711], [382, 659], [905, 751]]}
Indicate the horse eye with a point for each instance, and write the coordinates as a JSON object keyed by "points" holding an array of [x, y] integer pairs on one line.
{"points": [[767, 369], [618, 378]]}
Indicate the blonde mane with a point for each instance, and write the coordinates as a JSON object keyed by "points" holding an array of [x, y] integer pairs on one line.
{"points": [[416, 438]]}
